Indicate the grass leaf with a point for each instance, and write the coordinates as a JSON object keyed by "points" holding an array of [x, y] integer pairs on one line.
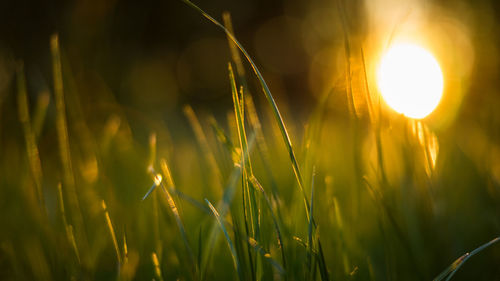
{"points": [[270, 99], [455, 266]]}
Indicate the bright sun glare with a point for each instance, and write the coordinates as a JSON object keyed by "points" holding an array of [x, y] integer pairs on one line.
{"points": [[410, 80]]}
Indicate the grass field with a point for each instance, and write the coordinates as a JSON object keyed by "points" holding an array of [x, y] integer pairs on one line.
{"points": [[96, 191]]}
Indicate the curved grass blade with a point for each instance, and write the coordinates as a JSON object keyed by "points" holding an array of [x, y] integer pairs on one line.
{"points": [[270, 99], [251, 112], [455, 266]]}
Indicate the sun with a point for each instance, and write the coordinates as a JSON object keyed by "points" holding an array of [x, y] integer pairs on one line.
{"points": [[410, 80]]}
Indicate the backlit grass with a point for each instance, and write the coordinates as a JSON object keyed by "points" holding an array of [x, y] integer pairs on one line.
{"points": [[370, 195]]}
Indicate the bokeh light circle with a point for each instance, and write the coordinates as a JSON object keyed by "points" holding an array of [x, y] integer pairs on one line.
{"points": [[410, 80]]}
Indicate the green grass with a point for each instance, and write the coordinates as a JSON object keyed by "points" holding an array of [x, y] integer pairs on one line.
{"points": [[361, 197]]}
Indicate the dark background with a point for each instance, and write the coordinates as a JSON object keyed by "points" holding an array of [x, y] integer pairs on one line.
{"points": [[157, 55]]}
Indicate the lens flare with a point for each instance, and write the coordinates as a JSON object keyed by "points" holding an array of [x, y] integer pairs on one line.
{"points": [[410, 80]]}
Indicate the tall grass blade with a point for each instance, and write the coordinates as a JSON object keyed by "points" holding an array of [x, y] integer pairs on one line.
{"points": [[87, 164], [251, 112], [29, 137], [247, 166], [240, 121], [63, 139], [271, 101]]}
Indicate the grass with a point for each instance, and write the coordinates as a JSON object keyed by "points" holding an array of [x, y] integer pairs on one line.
{"points": [[362, 198]]}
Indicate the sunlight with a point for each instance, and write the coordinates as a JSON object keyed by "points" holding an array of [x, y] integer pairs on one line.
{"points": [[410, 80]]}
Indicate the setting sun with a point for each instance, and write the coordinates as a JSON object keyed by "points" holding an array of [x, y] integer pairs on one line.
{"points": [[410, 80]]}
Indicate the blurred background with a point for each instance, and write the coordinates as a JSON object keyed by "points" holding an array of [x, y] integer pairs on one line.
{"points": [[131, 67], [152, 55]]}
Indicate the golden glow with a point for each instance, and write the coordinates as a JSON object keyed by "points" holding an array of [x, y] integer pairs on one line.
{"points": [[410, 80]]}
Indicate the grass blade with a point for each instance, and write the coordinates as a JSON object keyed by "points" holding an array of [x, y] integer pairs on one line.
{"points": [[455, 266], [251, 112], [111, 232], [240, 122], [247, 166], [157, 180], [29, 136], [270, 99], [63, 141]]}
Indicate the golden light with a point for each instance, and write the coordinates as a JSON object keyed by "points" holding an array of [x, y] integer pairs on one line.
{"points": [[410, 80]]}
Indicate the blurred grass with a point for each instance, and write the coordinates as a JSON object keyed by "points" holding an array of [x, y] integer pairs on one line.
{"points": [[367, 197]]}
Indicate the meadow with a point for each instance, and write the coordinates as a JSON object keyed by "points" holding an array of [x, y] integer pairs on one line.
{"points": [[350, 190]]}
